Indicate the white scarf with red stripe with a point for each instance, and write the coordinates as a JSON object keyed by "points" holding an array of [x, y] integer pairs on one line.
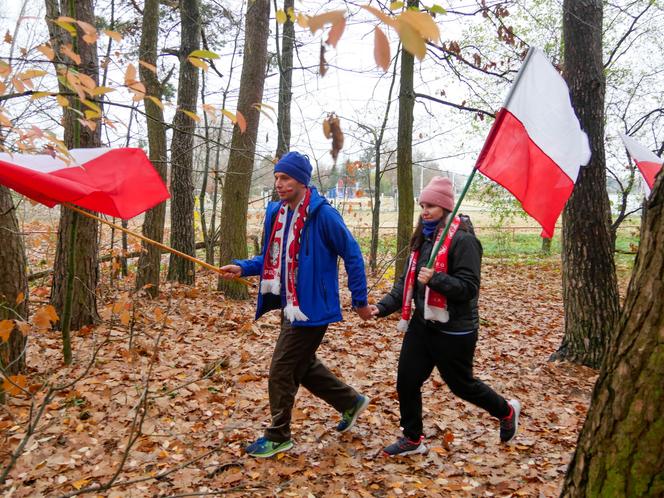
{"points": [[435, 304], [271, 276]]}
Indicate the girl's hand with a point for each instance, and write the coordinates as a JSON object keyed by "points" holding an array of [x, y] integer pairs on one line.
{"points": [[374, 310], [425, 275]]}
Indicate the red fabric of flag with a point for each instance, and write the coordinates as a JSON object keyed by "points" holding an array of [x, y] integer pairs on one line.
{"points": [[116, 182]]}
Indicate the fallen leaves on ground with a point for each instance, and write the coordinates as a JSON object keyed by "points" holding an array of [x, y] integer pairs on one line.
{"points": [[207, 393]]}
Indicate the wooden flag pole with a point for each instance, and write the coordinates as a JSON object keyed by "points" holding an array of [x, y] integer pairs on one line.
{"points": [[155, 243]]}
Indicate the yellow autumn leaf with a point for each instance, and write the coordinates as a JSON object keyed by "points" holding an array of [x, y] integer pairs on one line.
{"points": [[31, 73], [80, 483], [291, 14], [114, 35], [199, 63], [91, 105], [381, 49], [332, 17], [130, 74], [154, 99], [90, 32], [14, 383], [125, 317], [390, 21], [100, 90], [62, 100], [87, 81], [40, 95], [229, 115], [65, 23], [281, 16], [192, 115], [204, 54], [396, 5], [302, 20], [147, 65], [412, 41], [20, 298], [91, 114], [6, 327], [422, 22], [48, 52], [67, 50]]}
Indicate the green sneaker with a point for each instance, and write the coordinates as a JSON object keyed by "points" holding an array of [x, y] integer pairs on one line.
{"points": [[349, 416], [264, 448]]}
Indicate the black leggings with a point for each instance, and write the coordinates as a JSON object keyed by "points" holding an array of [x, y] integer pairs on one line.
{"points": [[423, 349]]}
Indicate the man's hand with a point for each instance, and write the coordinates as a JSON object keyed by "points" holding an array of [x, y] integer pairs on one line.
{"points": [[230, 272], [374, 310], [425, 275], [366, 312]]}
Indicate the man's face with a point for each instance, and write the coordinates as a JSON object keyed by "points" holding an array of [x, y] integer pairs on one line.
{"points": [[288, 188]]}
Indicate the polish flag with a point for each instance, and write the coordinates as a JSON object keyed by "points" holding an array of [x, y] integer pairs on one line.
{"points": [[116, 182], [536, 146], [647, 162]]}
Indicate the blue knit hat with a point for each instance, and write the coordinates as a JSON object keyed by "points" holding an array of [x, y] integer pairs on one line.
{"points": [[296, 166]]}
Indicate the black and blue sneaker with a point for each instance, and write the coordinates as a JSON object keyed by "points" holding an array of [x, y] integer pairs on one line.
{"points": [[264, 448], [348, 417]]}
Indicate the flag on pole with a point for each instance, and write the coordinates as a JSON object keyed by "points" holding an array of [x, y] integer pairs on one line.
{"points": [[536, 146], [117, 182], [647, 162]]}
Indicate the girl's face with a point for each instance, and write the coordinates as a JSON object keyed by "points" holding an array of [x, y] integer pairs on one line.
{"points": [[430, 212]]}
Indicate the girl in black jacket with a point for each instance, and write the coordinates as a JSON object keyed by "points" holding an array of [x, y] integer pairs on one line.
{"points": [[442, 331]]}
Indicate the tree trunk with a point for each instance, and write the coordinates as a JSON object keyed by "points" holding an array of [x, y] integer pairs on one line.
{"points": [[405, 159], [619, 451], [378, 174], [233, 222], [546, 245], [285, 83], [149, 263], [86, 275], [590, 290], [183, 237], [14, 282]]}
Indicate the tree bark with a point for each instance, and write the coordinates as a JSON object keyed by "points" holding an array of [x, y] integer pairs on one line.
{"points": [[14, 282], [405, 158], [590, 290], [86, 276], [619, 451], [183, 237], [285, 84], [149, 263], [233, 222]]}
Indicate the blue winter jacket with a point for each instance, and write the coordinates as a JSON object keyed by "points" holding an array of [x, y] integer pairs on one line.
{"points": [[324, 238]]}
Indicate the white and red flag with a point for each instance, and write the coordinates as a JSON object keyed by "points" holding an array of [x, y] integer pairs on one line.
{"points": [[646, 160], [117, 182], [536, 146]]}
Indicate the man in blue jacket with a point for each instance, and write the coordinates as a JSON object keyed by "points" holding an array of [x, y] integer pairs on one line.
{"points": [[303, 238]]}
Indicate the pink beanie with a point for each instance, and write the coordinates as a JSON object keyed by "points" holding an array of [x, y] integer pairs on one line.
{"points": [[439, 192]]}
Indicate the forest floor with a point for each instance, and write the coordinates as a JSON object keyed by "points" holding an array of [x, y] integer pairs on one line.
{"points": [[171, 412]]}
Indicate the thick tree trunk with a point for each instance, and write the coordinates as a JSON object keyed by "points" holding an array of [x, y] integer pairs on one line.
{"points": [[13, 284], [149, 263], [183, 237], [86, 275], [285, 84], [233, 222], [590, 290], [405, 158], [619, 452]]}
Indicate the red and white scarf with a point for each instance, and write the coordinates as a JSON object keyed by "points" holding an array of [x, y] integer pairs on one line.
{"points": [[271, 277], [435, 304]]}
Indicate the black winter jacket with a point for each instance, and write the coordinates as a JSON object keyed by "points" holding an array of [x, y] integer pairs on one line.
{"points": [[461, 285]]}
